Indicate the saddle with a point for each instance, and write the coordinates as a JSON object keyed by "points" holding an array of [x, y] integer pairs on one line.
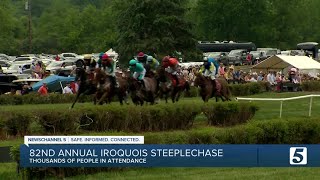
{"points": [[174, 82]]}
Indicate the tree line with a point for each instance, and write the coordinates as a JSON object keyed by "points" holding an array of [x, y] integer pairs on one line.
{"points": [[158, 27]]}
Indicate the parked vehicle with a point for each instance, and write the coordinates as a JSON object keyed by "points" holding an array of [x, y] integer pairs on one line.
{"points": [[5, 57], [310, 46], [225, 47], [218, 56], [237, 57], [56, 66], [6, 84], [78, 59], [258, 56], [4, 63], [269, 51], [14, 68], [25, 60]]}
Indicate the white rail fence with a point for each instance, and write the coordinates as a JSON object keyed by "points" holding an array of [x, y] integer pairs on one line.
{"points": [[281, 100]]}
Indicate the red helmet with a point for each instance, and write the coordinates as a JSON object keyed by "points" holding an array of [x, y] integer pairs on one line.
{"points": [[105, 57], [141, 54], [166, 59]]}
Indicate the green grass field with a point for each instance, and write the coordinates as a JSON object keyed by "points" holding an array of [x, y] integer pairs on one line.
{"points": [[268, 110]]}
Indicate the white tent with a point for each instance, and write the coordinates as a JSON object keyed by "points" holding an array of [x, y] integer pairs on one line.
{"points": [[112, 54], [280, 62]]}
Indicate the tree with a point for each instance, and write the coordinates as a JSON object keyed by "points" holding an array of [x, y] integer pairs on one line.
{"points": [[152, 26]]}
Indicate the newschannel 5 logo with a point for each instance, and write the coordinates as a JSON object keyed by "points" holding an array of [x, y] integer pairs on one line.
{"points": [[298, 156]]}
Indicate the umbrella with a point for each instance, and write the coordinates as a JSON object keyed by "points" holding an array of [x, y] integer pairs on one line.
{"points": [[54, 83]]}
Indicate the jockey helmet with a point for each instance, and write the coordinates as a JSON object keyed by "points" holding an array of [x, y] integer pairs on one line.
{"points": [[140, 55], [105, 57], [87, 57], [166, 59], [132, 62], [149, 58], [100, 55]]}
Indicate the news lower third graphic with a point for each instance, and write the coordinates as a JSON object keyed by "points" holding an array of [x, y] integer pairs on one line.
{"points": [[130, 151]]}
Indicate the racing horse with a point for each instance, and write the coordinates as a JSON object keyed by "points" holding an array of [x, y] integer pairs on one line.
{"points": [[106, 90], [173, 91], [86, 84], [217, 88], [139, 94]]}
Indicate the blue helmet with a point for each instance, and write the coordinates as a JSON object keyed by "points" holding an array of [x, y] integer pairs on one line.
{"points": [[211, 59]]}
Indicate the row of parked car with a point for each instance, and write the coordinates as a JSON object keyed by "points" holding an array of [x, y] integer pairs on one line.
{"points": [[17, 70], [239, 56], [23, 64]]}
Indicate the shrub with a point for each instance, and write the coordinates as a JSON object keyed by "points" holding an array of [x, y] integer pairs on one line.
{"points": [[228, 114], [248, 88], [311, 86], [34, 98]]}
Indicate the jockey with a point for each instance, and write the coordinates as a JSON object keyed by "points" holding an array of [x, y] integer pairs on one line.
{"points": [[142, 58], [90, 63], [100, 59], [171, 65], [215, 63], [137, 70], [208, 69], [104, 60], [154, 64], [109, 65]]}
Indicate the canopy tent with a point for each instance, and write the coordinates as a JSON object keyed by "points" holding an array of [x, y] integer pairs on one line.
{"points": [[54, 83], [280, 62]]}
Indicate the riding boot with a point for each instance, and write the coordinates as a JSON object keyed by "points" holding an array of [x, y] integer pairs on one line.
{"points": [[177, 80], [142, 83], [113, 81]]}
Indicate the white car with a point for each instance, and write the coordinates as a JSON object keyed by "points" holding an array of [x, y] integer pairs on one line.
{"points": [[20, 60], [14, 68], [78, 59], [70, 56], [56, 66]]}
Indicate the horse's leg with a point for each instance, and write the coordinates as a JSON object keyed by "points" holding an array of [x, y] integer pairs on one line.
{"points": [[207, 98], [152, 98], [95, 99], [77, 97], [120, 97], [173, 95], [166, 96], [203, 98], [104, 95], [178, 96], [125, 97]]}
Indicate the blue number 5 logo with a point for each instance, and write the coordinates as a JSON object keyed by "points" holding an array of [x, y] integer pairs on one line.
{"points": [[298, 156]]}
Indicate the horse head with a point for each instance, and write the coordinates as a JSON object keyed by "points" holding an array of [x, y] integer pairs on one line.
{"points": [[161, 74], [81, 74], [99, 78]]}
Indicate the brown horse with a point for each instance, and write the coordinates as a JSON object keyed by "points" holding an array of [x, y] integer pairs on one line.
{"points": [[86, 85], [173, 91], [139, 94], [212, 88], [105, 89]]}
